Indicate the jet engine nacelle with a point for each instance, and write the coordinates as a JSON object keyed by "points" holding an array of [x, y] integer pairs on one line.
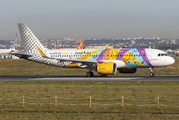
{"points": [[127, 70], [106, 68]]}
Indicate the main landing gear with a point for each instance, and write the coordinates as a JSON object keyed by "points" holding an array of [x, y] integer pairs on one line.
{"points": [[151, 72], [89, 74]]}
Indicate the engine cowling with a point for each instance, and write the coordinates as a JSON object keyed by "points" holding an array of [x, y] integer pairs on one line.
{"points": [[127, 70], [106, 68]]}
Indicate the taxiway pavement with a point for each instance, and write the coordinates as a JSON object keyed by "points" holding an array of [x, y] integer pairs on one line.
{"points": [[114, 78]]}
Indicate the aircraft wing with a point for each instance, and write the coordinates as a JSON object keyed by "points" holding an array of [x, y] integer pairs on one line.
{"points": [[62, 59], [21, 54]]}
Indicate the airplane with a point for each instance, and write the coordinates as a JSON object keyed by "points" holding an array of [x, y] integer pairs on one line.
{"points": [[10, 50], [104, 61]]}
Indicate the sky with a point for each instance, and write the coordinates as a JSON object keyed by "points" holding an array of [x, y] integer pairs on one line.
{"points": [[91, 18]]}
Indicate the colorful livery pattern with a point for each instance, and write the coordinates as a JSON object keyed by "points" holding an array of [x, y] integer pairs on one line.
{"points": [[131, 57]]}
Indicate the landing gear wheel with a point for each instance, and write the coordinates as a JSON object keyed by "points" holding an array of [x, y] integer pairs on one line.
{"points": [[103, 75], [89, 74], [151, 74]]}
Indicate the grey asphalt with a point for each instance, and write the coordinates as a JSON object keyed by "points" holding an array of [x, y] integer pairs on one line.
{"points": [[114, 78]]}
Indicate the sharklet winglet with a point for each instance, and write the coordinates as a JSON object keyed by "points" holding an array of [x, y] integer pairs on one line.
{"points": [[41, 53]]}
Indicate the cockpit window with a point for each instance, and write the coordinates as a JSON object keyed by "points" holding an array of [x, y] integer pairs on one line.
{"points": [[162, 54]]}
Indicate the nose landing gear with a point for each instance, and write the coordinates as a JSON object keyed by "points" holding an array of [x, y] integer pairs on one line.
{"points": [[151, 72]]}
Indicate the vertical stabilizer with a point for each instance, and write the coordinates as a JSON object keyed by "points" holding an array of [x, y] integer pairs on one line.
{"points": [[29, 40], [81, 44], [13, 45]]}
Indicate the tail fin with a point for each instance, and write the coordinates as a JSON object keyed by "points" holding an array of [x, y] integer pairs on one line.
{"points": [[81, 44], [13, 45], [29, 40]]}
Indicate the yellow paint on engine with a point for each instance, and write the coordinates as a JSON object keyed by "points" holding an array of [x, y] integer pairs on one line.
{"points": [[105, 68]]}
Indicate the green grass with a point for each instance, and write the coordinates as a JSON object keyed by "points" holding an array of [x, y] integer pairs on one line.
{"points": [[43, 93]]}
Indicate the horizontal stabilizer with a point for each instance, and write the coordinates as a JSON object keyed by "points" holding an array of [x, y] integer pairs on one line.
{"points": [[21, 54]]}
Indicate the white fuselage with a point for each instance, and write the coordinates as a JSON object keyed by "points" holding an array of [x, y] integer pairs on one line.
{"points": [[6, 51], [155, 57]]}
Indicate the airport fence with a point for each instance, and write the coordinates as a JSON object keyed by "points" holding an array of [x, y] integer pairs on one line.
{"points": [[90, 101]]}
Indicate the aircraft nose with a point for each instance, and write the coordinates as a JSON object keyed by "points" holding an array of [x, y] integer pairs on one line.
{"points": [[171, 61]]}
